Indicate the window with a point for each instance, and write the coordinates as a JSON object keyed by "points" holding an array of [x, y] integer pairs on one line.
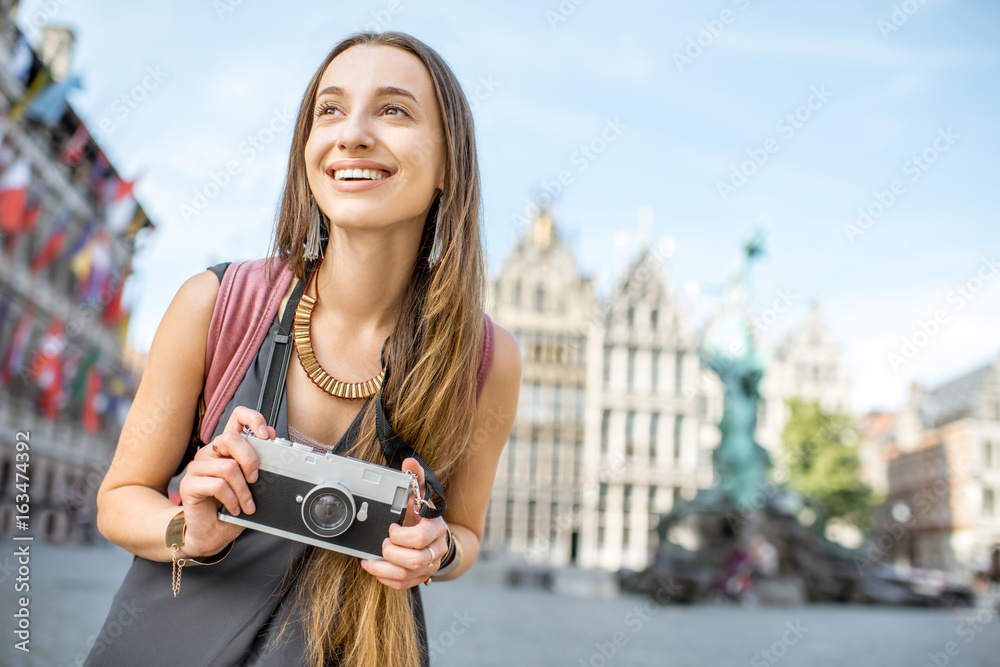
{"points": [[630, 317], [536, 403], [987, 454], [577, 461], [508, 522], [511, 448], [678, 432], [606, 369], [555, 460], [654, 380], [651, 507], [557, 403], [627, 502], [531, 520], [533, 465], [579, 404], [554, 521], [517, 293], [654, 428], [654, 315], [540, 298], [678, 371], [629, 434], [602, 498], [631, 369], [988, 502], [605, 426]]}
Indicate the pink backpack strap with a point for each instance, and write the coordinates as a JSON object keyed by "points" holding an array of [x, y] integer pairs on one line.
{"points": [[241, 319], [485, 355]]}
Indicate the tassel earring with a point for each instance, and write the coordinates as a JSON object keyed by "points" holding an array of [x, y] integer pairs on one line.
{"points": [[313, 248], [438, 245]]}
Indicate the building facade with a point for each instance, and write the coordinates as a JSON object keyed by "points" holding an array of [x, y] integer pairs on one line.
{"points": [[617, 417], [944, 473], [68, 235]]}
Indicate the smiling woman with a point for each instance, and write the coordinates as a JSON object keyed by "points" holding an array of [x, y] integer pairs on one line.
{"points": [[377, 265]]}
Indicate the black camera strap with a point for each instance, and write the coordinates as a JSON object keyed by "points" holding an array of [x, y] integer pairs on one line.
{"points": [[394, 448], [274, 375]]}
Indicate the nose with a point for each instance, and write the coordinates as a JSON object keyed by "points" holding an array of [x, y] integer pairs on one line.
{"points": [[356, 133]]}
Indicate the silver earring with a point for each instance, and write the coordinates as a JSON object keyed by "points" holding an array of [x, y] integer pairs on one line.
{"points": [[313, 249], [438, 245]]}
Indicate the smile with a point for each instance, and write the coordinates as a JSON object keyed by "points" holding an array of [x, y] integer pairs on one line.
{"points": [[360, 174]]}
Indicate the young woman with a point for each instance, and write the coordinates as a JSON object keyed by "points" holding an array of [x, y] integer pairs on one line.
{"points": [[383, 186]]}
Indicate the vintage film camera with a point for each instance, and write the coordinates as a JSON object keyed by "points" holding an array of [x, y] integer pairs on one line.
{"points": [[324, 499]]}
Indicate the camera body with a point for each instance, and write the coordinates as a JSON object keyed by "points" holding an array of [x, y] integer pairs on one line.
{"points": [[324, 499]]}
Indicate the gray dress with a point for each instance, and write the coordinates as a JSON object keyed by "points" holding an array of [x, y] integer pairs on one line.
{"points": [[226, 614]]}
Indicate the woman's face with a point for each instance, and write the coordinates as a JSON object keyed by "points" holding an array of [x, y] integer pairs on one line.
{"points": [[376, 150]]}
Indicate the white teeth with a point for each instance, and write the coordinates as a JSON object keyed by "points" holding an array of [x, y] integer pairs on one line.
{"points": [[368, 174]]}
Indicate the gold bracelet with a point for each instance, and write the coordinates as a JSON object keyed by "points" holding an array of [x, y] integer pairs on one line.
{"points": [[450, 561], [175, 540]]}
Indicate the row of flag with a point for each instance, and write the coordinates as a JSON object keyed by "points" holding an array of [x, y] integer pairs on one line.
{"points": [[63, 374], [48, 353]]}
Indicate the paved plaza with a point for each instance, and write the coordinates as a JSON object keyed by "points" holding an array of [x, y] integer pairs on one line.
{"points": [[477, 621]]}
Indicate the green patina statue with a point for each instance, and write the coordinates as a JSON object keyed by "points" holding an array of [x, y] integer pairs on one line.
{"points": [[727, 348]]}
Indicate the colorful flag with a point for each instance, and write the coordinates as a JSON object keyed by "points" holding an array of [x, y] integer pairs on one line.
{"points": [[81, 241], [33, 206], [21, 59], [92, 401], [14, 194], [46, 368], [49, 105], [14, 358], [56, 241], [119, 204], [76, 146], [37, 85]]}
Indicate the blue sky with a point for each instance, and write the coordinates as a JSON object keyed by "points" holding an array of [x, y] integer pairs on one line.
{"points": [[808, 112]]}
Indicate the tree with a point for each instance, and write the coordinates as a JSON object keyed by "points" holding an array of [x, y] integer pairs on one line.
{"points": [[823, 462]]}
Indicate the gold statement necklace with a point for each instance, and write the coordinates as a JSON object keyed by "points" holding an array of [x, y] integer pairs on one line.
{"points": [[307, 357]]}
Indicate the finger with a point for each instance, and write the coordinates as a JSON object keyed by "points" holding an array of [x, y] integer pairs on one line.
{"points": [[391, 574], [419, 536], [418, 561], [244, 416], [235, 446], [228, 474], [411, 465], [196, 489]]}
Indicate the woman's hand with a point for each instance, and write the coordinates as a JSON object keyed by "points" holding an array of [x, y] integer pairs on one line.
{"points": [[413, 551], [218, 476]]}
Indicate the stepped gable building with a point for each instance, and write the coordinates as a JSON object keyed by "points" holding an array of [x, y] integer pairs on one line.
{"points": [[617, 417], [541, 298], [642, 445]]}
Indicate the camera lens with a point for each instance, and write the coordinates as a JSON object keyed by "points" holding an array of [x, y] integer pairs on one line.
{"points": [[328, 510]]}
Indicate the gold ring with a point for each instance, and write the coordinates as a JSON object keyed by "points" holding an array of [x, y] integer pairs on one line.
{"points": [[433, 555]]}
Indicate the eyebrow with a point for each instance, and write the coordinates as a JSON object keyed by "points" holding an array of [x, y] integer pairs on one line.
{"points": [[381, 91]]}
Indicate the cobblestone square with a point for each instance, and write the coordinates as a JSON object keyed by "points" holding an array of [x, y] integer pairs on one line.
{"points": [[476, 621]]}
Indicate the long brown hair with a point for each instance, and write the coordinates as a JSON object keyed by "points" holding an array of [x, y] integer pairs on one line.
{"points": [[433, 361]]}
